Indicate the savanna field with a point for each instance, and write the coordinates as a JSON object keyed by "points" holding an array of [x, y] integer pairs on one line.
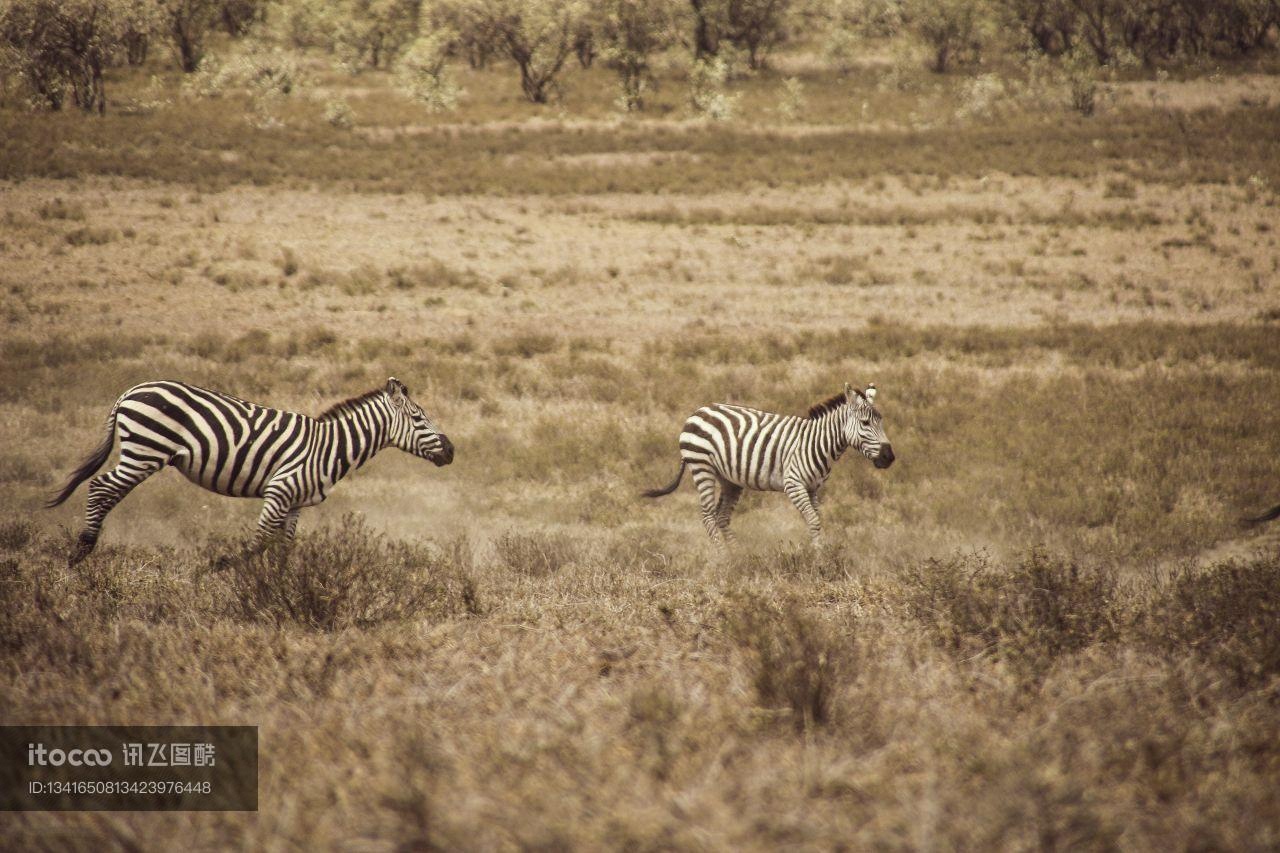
{"points": [[1043, 628]]}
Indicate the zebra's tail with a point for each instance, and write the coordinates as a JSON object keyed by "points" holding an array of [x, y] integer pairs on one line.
{"points": [[1270, 515], [91, 464], [657, 493]]}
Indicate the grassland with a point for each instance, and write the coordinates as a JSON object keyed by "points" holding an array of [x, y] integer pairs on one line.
{"points": [[1042, 628]]}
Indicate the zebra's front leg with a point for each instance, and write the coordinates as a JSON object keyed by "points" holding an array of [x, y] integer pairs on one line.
{"points": [[799, 494], [291, 524], [278, 519], [105, 491]]}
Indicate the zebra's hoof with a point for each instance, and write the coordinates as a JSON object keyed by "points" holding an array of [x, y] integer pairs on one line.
{"points": [[84, 547]]}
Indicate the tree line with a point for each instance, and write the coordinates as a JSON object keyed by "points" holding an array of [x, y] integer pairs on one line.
{"points": [[59, 50]]}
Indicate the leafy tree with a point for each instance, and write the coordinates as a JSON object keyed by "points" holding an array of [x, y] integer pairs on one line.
{"points": [[374, 32], [188, 23], [1051, 25], [476, 32], [424, 74], [238, 16], [61, 46], [630, 32], [538, 36], [756, 27], [953, 29]]}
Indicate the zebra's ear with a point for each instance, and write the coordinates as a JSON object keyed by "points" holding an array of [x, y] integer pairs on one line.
{"points": [[396, 388], [848, 392], [871, 393]]}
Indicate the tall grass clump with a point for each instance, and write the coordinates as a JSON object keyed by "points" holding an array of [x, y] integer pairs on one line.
{"points": [[1026, 615], [797, 660], [1227, 614], [536, 555]]}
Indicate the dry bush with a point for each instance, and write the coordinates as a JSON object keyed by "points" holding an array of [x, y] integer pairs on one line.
{"points": [[16, 535], [345, 577], [1029, 613], [59, 209], [801, 561], [434, 273], [535, 555], [798, 660], [92, 236], [1227, 614]]}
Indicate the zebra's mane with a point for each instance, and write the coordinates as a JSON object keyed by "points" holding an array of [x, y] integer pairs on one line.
{"points": [[338, 409], [817, 410]]}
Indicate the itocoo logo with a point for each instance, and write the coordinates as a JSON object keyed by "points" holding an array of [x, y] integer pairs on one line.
{"points": [[38, 754]]}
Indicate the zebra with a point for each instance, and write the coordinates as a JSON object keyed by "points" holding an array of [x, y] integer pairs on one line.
{"points": [[240, 449], [731, 448]]}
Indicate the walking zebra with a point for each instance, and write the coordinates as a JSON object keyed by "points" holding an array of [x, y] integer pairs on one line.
{"points": [[244, 450], [729, 448]]}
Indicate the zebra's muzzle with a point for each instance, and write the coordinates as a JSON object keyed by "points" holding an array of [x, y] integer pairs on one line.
{"points": [[885, 458], [444, 455]]}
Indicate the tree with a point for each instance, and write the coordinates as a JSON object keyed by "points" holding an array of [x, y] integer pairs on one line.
{"points": [[238, 16], [756, 27], [630, 32], [142, 20], [538, 36], [706, 38], [953, 29], [424, 74], [64, 45], [475, 31], [375, 32], [1050, 24], [188, 23]]}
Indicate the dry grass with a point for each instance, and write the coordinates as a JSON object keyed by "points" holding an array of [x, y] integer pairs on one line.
{"points": [[1041, 628]]}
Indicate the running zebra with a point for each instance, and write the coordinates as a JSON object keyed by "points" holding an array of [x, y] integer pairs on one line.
{"points": [[729, 448], [244, 450]]}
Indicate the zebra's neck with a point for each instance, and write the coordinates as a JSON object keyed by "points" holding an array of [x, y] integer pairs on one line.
{"points": [[350, 438], [829, 441]]}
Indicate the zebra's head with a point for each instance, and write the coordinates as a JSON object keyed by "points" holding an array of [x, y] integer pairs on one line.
{"points": [[864, 428], [412, 430]]}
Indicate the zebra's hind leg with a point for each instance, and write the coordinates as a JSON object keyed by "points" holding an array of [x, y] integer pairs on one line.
{"points": [[706, 481], [729, 494], [105, 491], [799, 494]]}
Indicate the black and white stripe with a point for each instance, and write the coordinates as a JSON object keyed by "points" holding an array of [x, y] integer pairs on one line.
{"points": [[731, 448], [244, 450]]}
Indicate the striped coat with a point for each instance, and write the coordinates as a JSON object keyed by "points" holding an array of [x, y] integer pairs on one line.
{"points": [[241, 449], [730, 448]]}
